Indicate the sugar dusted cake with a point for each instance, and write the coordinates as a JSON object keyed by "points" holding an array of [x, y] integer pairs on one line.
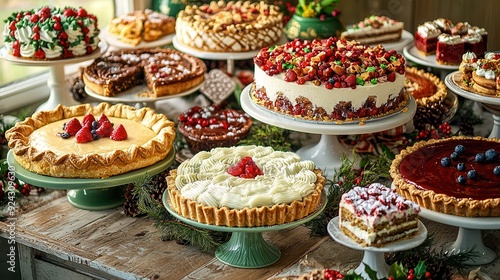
{"points": [[376, 215]]}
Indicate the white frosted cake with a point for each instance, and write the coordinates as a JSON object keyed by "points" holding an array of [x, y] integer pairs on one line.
{"points": [[376, 215]]}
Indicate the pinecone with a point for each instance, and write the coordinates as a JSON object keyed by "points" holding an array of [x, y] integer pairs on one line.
{"points": [[159, 183], [466, 127], [77, 87], [130, 206], [433, 114]]}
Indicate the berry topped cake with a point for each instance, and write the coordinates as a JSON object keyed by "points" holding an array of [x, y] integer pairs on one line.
{"points": [[376, 215], [84, 141], [221, 26], [51, 33], [458, 175], [212, 126], [374, 30], [329, 80], [482, 75], [245, 186], [164, 71]]}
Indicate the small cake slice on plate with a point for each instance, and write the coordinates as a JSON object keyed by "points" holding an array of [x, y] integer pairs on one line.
{"points": [[376, 215], [450, 49], [375, 30], [426, 38]]}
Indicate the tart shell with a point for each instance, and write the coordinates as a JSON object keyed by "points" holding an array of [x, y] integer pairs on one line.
{"points": [[97, 165], [246, 217]]}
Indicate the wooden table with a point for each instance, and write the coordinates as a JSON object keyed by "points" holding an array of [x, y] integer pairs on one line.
{"points": [[58, 241]]}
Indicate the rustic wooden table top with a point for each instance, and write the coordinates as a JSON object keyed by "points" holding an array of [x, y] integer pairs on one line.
{"points": [[131, 248]]}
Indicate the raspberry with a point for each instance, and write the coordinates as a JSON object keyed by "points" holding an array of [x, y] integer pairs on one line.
{"points": [[88, 119], [103, 118], [105, 129], [73, 126], [83, 135], [119, 133], [245, 168]]}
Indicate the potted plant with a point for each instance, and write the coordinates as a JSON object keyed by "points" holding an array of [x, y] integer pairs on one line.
{"points": [[314, 19]]}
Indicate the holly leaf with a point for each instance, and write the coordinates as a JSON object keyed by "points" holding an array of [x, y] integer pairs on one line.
{"points": [[397, 271], [371, 273], [420, 269]]}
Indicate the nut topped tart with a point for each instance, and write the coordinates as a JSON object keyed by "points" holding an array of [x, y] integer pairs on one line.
{"points": [[481, 75], [84, 141], [457, 175], [245, 186], [229, 26], [329, 80], [163, 71]]}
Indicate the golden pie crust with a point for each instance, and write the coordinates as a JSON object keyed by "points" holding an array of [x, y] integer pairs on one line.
{"points": [[246, 217], [136, 26], [438, 202], [132, 154], [425, 87]]}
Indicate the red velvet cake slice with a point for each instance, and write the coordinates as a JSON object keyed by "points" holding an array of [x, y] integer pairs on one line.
{"points": [[376, 215], [474, 43], [450, 49], [426, 38]]}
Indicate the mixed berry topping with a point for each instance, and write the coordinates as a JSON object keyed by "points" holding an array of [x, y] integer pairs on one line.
{"points": [[91, 129], [245, 168], [213, 118], [332, 62]]}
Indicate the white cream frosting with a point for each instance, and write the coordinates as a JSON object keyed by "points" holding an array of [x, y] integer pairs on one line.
{"points": [[369, 236], [450, 39], [428, 30], [204, 178], [327, 98]]}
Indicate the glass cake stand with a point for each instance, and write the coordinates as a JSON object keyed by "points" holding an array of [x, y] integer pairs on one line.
{"points": [[246, 248], [59, 93], [230, 57], [374, 256], [492, 104], [469, 235], [411, 52], [327, 154], [93, 193]]}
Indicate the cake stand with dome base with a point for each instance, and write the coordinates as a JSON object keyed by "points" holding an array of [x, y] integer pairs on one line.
{"points": [[246, 248], [59, 93], [469, 235], [92, 193], [327, 154], [491, 104], [374, 256]]}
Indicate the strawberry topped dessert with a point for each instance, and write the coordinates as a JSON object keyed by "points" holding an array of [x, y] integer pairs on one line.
{"points": [[245, 186], [71, 142], [51, 33], [329, 80]]}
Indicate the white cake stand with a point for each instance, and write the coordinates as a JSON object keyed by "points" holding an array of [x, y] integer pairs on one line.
{"points": [[411, 53], [492, 104], [374, 256], [59, 93], [469, 235], [327, 154], [230, 57]]}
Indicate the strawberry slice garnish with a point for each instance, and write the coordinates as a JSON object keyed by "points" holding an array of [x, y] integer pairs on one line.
{"points": [[73, 126], [119, 133]]}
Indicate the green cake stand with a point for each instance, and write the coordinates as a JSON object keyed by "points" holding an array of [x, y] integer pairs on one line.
{"points": [[93, 193], [246, 248]]}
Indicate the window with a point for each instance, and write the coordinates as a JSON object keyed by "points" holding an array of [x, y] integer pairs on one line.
{"points": [[21, 85]]}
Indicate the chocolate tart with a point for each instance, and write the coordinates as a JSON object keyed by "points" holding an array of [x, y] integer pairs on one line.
{"points": [[37, 147], [419, 176]]}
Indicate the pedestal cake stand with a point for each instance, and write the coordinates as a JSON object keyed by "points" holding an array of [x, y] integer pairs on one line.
{"points": [[469, 235], [246, 248], [230, 57], [327, 154], [90, 194], [492, 104], [374, 256], [59, 93]]}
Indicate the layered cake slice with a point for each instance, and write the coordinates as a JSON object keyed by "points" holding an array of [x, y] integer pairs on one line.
{"points": [[426, 38], [374, 30], [449, 49], [376, 215]]}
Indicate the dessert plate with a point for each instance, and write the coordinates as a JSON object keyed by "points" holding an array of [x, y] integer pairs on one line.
{"points": [[414, 55], [138, 94], [114, 41]]}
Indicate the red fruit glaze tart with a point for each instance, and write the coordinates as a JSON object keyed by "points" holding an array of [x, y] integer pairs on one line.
{"points": [[329, 80], [51, 33], [457, 176], [208, 127]]}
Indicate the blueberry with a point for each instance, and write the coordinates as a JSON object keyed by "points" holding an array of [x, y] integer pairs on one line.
{"points": [[64, 135], [496, 170], [95, 136], [460, 149], [472, 174], [480, 158], [95, 124], [454, 155], [461, 180], [445, 161], [491, 155], [461, 166]]}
